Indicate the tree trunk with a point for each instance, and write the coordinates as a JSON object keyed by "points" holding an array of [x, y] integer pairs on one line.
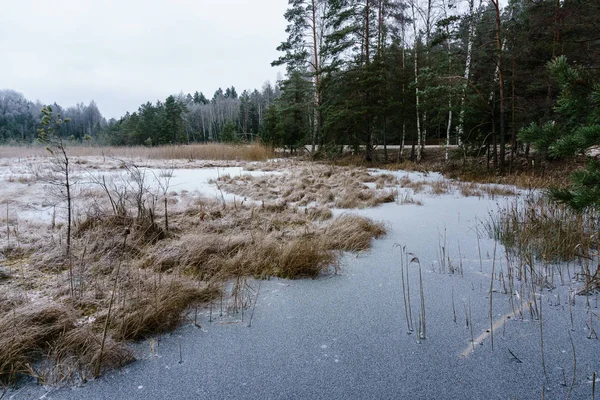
{"points": [[449, 127], [513, 140], [401, 151], [500, 43], [385, 151], [317, 116], [427, 60], [460, 131], [416, 82], [368, 128]]}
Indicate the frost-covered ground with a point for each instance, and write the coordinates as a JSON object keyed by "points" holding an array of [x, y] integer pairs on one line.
{"points": [[351, 335]]}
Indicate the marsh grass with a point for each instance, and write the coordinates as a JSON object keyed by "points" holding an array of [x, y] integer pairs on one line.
{"points": [[151, 309], [163, 275], [307, 184], [32, 333], [536, 230], [352, 233], [134, 275], [551, 231], [444, 186], [212, 151]]}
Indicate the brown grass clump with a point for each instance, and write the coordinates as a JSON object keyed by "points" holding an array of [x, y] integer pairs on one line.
{"points": [[353, 233], [302, 257], [291, 258], [416, 186], [75, 356], [257, 241], [441, 186], [540, 228], [25, 335], [29, 333], [470, 189], [319, 213], [406, 198], [498, 191], [313, 183], [155, 310]]}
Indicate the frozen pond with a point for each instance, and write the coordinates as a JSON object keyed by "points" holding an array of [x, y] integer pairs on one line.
{"points": [[345, 336], [31, 198]]}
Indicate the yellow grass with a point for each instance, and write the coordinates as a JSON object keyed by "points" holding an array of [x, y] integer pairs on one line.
{"points": [[213, 151], [31, 332]]}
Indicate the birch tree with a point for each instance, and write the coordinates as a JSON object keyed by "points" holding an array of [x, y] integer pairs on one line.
{"points": [[303, 49], [467, 74], [416, 66], [500, 48]]}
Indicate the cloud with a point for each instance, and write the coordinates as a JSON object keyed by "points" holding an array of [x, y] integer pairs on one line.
{"points": [[124, 53]]}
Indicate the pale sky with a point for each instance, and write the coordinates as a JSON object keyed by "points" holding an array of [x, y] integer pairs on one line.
{"points": [[122, 53]]}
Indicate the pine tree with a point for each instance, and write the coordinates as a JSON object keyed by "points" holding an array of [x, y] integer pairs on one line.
{"points": [[575, 130], [303, 49]]}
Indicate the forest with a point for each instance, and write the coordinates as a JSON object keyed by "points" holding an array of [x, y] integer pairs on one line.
{"points": [[489, 77], [445, 196]]}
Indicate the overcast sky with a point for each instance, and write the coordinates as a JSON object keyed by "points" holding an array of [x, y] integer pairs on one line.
{"points": [[122, 53]]}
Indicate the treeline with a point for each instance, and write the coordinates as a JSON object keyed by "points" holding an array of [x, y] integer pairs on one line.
{"points": [[20, 118], [372, 73], [226, 117], [179, 119]]}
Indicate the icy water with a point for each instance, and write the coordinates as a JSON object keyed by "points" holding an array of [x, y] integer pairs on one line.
{"points": [[34, 205], [345, 336]]}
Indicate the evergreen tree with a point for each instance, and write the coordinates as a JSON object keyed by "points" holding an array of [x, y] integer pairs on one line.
{"points": [[575, 129], [173, 131], [296, 110], [229, 134], [303, 50]]}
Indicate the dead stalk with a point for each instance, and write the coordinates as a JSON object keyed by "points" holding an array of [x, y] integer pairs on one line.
{"points": [[491, 298], [254, 306], [574, 366], [110, 304]]}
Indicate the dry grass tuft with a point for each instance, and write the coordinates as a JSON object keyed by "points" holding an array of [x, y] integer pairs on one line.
{"points": [[319, 213], [155, 310], [67, 351], [302, 257], [291, 258], [75, 355], [353, 233], [307, 184], [25, 336], [470, 189], [540, 228], [406, 198], [416, 186]]}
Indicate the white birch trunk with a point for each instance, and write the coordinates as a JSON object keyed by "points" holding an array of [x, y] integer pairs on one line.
{"points": [[461, 119], [416, 81], [449, 127], [427, 58]]}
